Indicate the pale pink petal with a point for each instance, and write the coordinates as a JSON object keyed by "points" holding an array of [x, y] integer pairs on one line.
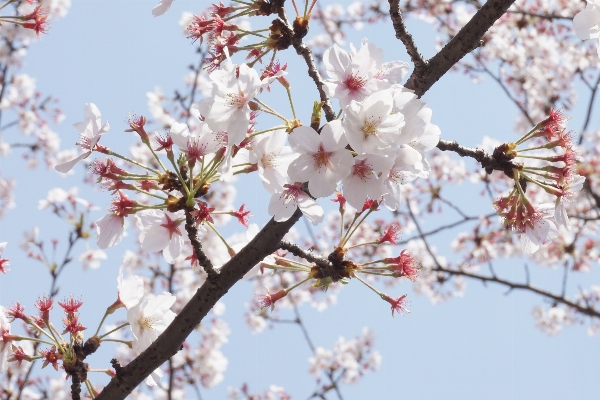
{"points": [[110, 230]]}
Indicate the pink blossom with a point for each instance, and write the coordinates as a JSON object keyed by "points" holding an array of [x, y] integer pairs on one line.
{"points": [[272, 158], [90, 132], [323, 161], [3, 261], [364, 180], [149, 318], [283, 205], [161, 231]]}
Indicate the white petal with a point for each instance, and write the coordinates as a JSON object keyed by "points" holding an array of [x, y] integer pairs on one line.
{"points": [[110, 230]]}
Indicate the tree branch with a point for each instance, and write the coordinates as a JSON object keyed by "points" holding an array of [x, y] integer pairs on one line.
{"points": [[170, 341], [588, 310], [299, 252], [488, 162], [405, 37], [192, 230], [463, 43]]}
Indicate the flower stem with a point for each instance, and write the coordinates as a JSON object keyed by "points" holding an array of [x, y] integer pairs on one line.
{"points": [[113, 330]]}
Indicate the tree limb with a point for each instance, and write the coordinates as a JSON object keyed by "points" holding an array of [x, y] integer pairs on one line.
{"points": [[463, 43], [407, 39], [496, 161], [170, 341]]}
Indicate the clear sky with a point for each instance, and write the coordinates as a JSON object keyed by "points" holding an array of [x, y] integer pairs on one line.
{"points": [[483, 345]]}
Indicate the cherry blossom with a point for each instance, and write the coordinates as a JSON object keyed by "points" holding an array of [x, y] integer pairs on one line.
{"points": [[130, 289], [364, 180], [160, 231], [110, 228], [202, 142], [408, 165], [5, 341], [356, 75], [90, 132], [283, 205], [539, 230], [574, 185], [370, 126], [272, 158], [227, 109], [4, 263], [587, 22], [91, 258], [323, 160], [149, 318]]}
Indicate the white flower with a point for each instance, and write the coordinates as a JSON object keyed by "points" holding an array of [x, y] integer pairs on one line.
{"points": [[203, 141], [370, 126], [30, 238], [540, 231], [110, 229], [149, 318], [161, 232], [587, 23], [228, 110], [323, 160], [283, 205], [91, 258], [3, 261], [574, 185], [357, 75], [130, 289], [5, 345], [365, 179], [408, 164], [417, 131], [273, 158], [90, 132], [59, 195]]}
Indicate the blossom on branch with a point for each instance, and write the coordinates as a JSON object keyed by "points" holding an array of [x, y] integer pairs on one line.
{"points": [[149, 318], [90, 130], [323, 159]]}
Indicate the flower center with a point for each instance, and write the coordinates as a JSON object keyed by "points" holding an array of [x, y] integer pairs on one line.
{"points": [[362, 170], [321, 157], [237, 100], [355, 82], [146, 322]]}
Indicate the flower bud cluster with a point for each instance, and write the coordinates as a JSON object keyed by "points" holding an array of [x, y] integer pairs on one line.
{"points": [[554, 171]]}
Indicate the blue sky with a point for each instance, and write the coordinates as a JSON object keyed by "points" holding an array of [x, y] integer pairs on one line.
{"points": [[483, 345]]}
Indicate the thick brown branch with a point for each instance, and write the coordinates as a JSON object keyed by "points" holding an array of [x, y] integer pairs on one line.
{"points": [[463, 43], [404, 36], [169, 343]]}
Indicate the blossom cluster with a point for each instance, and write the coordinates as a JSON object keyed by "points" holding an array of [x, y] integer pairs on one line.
{"points": [[557, 175]]}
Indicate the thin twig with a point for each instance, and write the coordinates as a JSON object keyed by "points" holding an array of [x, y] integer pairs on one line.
{"points": [[588, 115], [299, 252], [589, 311], [405, 37]]}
